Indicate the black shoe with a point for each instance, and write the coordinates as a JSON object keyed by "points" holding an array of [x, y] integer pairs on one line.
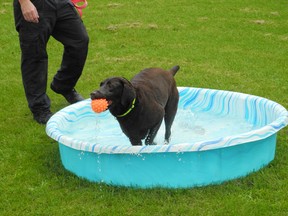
{"points": [[72, 96], [43, 116]]}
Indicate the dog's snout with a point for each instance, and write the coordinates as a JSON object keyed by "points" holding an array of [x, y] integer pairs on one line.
{"points": [[93, 95], [96, 95]]}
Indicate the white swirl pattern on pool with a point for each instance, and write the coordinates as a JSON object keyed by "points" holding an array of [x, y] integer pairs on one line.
{"points": [[261, 117]]}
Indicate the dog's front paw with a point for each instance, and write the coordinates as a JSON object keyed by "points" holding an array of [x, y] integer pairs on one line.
{"points": [[166, 142]]}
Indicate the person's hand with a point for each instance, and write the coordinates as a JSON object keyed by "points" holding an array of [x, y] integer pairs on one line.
{"points": [[29, 11]]}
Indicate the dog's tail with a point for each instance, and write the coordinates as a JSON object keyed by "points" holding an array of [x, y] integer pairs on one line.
{"points": [[174, 70]]}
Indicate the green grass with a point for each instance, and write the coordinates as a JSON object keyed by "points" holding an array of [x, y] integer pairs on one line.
{"points": [[239, 45]]}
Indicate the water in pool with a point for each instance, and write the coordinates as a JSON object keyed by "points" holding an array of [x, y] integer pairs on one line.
{"points": [[188, 127]]}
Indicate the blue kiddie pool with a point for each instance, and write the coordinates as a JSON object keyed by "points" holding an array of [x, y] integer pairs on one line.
{"points": [[216, 136]]}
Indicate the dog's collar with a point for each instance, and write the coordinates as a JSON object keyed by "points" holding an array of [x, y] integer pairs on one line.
{"points": [[129, 110]]}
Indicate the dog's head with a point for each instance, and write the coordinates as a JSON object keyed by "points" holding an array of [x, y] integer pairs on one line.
{"points": [[115, 90]]}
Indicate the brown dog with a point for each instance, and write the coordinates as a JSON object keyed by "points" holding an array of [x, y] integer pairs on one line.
{"points": [[140, 105]]}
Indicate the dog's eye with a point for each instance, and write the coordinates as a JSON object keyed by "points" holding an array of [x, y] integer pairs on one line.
{"points": [[109, 84]]}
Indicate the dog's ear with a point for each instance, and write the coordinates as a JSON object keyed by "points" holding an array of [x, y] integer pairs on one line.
{"points": [[128, 93]]}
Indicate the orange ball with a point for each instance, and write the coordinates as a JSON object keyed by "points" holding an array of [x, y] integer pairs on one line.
{"points": [[99, 105]]}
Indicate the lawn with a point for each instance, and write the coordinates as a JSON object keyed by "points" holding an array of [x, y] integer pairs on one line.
{"points": [[239, 45]]}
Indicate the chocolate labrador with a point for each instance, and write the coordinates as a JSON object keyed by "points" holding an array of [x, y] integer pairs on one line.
{"points": [[140, 105]]}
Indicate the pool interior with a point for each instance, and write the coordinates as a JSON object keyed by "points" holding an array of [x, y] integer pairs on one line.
{"points": [[188, 127]]}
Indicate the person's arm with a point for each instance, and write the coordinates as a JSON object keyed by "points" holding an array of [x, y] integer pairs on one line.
{"points": [[29, 11]]}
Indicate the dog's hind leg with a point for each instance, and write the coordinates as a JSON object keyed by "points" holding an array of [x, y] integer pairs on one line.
{"points": [[168, 124], [152, 134], [170, 112]]}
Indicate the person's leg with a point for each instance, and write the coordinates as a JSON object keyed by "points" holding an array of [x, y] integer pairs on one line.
{"points": [[34, 61], [70, 31]]}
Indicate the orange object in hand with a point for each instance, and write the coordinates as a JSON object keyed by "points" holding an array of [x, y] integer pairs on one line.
{"points": [[99, 105]]}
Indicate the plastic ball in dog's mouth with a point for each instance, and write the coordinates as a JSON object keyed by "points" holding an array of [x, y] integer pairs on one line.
{"points": [[99, 105]]}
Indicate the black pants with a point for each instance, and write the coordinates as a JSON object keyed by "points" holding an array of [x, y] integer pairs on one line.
{"points": [[59, 19]]}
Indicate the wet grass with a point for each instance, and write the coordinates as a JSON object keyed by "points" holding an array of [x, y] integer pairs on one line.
{"points": [[231, 45]]}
